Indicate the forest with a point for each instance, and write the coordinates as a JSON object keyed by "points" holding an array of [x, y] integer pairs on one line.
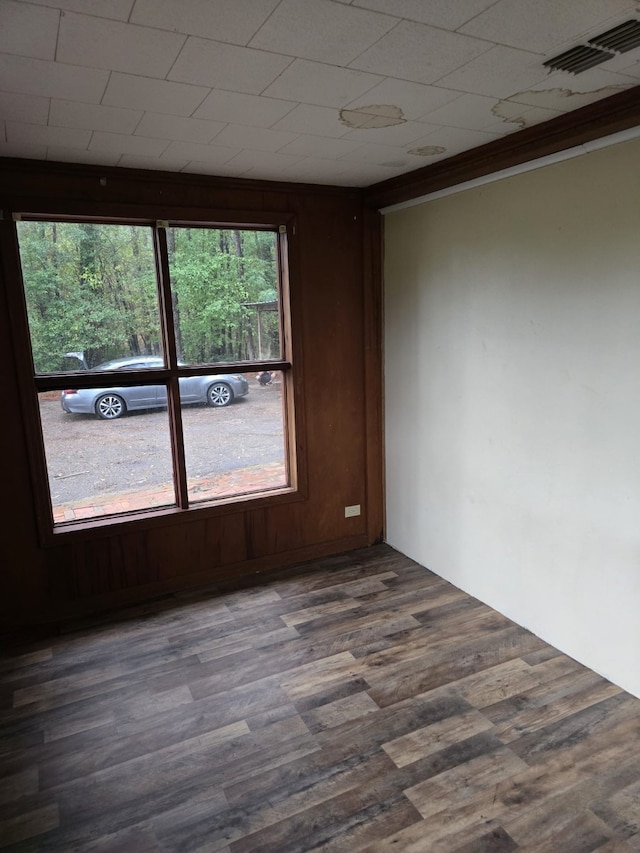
{"points": [[92, 289]]}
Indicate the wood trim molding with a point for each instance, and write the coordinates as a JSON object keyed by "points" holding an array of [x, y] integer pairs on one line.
{"points": [[30, 173], [611, 115], [373, 252]]}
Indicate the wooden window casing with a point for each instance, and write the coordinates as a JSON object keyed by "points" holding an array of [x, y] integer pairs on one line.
{"points": [[31, 383]]}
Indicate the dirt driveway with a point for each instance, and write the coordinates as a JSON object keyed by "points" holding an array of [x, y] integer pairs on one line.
{"points": [[87, 457]]}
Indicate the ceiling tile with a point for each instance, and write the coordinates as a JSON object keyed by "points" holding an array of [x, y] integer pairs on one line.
{"points": [[361, 174], [520, 115], [625, 63], [214, 154], [414, 99], [381, 155], [419, 53], [233, 21], [73, 155], [599, 80], [159, 126], [264, 172], [238, 108], [498, 73], [317, 170], [322, 85], [473, 112], [27, 108], [632, 71], [399, 134], [35, 134], [454, 140], [225, 66], [123, 144], [305, 118], [159, 96], [438, 13], [427, 156], [93, 117], [545, 24], [321, 30], [51, 79], [565, 92], [320, 147], [30, 152], [98, 43], [263, 163], [118, 10], [28, 30], [253, 138], [133, 161], [205, 168]]}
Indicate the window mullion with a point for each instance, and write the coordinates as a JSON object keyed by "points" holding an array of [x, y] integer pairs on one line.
{"points": [[171, 356]]}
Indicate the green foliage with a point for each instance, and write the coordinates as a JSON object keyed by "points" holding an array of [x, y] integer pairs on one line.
{"points": [[214, 274], [92, 288]]}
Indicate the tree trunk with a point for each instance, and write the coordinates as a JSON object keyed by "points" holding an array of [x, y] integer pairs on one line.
{"points": [[237, 239]]}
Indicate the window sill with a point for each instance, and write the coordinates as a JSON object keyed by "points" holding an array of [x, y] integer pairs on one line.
{"points": [[140, 520]]}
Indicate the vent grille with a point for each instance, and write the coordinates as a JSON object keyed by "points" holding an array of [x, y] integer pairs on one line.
{"points": [[578, 59], [622, 38], [599, 49]]}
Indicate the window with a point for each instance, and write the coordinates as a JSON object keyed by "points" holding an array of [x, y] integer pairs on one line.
{"points": [[162, 362]]}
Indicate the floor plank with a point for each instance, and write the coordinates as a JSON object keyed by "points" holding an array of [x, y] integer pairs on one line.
{"points": [[355, 703]]}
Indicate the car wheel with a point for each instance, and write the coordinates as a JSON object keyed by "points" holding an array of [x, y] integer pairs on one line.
{"points": [[110, 406], [219, 394]]}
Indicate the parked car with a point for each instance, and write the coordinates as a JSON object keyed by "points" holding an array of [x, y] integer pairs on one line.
{"points": [[113, 402]]}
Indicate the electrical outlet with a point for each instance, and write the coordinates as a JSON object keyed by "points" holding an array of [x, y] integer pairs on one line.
{"points": [[350, 511]]}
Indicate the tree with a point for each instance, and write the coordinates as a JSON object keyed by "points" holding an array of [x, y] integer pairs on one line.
{"points": [[214, 274], [88, 288], [92, 287]]}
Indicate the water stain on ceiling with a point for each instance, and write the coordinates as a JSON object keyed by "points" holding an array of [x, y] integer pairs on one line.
{"points": [[549, 99], [522, 109], [372, 116], [428, 150]]}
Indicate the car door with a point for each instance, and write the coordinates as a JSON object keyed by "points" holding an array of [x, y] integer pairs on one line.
{"points": [[190, 389], [139, 396]]}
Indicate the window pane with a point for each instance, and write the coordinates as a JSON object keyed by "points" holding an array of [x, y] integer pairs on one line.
{"points": [[238, 448], [101, 467], [91, 293], [225, 294]]}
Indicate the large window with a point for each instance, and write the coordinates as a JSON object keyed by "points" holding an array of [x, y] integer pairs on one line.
{"points": [[162, 365]]}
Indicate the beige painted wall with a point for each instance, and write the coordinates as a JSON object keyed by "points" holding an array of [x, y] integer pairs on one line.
{"points": [[513, 399]]}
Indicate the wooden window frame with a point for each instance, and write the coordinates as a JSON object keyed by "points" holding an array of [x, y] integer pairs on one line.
{"points": [[31, 384]]}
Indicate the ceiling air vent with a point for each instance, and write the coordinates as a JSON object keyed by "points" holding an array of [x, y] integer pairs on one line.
{"points": [[578, 59], [622, 38]]}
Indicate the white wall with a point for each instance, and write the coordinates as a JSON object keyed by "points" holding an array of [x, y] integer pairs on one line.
{"points": [[513, 400]]}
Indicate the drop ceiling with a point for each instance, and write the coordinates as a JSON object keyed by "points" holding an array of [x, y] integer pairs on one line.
{"points": [[343, 92]]}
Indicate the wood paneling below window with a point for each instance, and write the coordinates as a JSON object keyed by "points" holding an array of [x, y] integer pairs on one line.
{"points": [[335, 308]]}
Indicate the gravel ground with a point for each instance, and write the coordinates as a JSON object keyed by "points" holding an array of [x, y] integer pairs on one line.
{"points": [[87, 456]]}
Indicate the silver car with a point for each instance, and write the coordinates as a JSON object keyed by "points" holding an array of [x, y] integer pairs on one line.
{"points": [[111, 403]]}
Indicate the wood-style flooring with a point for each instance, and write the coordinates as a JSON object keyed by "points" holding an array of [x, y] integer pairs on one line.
{"points": [[356, 703]]}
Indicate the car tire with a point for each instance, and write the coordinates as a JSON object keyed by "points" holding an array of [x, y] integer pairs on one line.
{"points": [[219, 394], [110, 406]]}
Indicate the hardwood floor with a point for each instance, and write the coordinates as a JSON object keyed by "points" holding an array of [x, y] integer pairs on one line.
{"points": [[358, 703]]}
